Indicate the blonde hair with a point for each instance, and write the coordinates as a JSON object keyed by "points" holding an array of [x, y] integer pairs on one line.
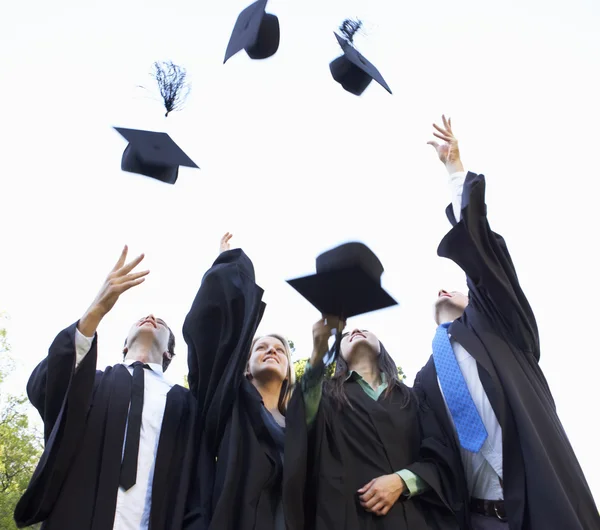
{"points": [[287, 386]]}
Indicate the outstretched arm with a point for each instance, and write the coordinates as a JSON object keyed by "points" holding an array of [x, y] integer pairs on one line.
{"points": [[48, 386], [61, 388], [494, 288], [218, 330]]}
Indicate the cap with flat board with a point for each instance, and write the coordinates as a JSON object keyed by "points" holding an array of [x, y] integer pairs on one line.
{"points": [[353, 71], [255, 31], [153, 154], [347, 283]]}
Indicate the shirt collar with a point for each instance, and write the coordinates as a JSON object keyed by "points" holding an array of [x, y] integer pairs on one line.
{"points": [[355, 375], [156, 368]]}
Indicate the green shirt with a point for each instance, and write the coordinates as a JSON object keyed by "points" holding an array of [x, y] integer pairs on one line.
{"points": [[312, 390]]}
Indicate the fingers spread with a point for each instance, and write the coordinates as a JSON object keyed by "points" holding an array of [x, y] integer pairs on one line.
{"points": [[130, 277], [121, 259], [443, 137], [128, 285], [130, 266], [443, 131]]}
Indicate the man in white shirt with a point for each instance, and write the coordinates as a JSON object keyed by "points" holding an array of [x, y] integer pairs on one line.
{"points": [[484, 382], [116, 452]]}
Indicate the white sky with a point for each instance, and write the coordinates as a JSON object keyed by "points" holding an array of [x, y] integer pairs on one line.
{"points": [[293, 165]]}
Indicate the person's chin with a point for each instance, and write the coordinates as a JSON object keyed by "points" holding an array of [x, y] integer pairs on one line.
{"points": [[269, 370]]}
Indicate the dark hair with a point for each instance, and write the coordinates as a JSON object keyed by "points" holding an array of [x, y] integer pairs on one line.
{"points": [[170, 348], [335, 387]]}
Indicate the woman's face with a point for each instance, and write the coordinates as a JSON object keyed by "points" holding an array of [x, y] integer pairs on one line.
{"points": [[268, 359], [357, 340]]}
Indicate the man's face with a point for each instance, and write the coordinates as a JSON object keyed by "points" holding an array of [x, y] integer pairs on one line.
{"points": [[152, 331], [450, 303]]}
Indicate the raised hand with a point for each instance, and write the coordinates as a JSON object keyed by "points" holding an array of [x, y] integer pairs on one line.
{"points": [[322, 331], [448, 151], [120, 279], [225, 243]]}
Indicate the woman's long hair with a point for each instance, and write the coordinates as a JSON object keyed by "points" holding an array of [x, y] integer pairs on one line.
{"points": [[336, 391], [287, 386]]}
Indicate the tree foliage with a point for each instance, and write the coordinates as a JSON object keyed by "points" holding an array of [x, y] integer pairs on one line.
{"points": [[300, 365], [20, 444]]}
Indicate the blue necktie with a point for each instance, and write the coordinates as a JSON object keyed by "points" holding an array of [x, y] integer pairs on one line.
{"points": [[470, 428]]}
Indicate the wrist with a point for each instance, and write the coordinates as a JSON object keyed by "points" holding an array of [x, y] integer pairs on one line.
{"points": [[317, 357], [454, 167], [90, 321]]}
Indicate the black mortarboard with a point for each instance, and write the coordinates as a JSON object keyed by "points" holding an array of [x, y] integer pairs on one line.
{"points": [[353, 71], [347, 283], [255, 31], [153, 154]]}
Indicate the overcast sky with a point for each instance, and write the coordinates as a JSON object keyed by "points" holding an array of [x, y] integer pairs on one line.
{"points": [[294, 165]]}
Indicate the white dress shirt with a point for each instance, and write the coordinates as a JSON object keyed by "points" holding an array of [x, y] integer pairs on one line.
{"points": [[133, 506], [483, 469]]}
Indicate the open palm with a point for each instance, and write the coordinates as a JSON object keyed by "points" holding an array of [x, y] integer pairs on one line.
{"points": [[448, 151]]}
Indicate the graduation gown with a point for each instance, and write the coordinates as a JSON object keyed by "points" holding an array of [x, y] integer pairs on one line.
{"points": [[544, 485], [75, 484], [239, 472], [345, 449]]}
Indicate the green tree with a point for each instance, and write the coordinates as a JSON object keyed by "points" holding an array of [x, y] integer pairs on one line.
{"points": [[20, 445], [300, 365]]}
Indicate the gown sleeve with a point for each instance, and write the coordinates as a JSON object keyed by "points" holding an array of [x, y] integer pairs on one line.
{"points": [[494, 288], [218, 330], [62, 395]]}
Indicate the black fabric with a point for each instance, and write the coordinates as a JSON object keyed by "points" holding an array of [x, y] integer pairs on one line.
{"points": [[239, 476], [276, 431], [353, 71], [75, 484], [544, 485], [347, 448], [134, 425]]}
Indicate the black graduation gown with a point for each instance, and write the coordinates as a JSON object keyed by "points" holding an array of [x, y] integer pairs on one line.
{"points": [[75, 484], [544, 486], [346, 448], [239, 470]]}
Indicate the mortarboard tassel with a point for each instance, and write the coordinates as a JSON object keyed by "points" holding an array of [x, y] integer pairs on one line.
{"points": [[331, 356], [349, 28], [172, 84]]}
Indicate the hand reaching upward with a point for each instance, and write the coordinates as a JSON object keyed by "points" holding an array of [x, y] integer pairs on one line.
{"points": [[448, 151], [225, 242], [120, 279]]}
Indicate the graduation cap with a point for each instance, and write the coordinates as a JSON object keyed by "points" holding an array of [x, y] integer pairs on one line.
{"points": [[153, 154], [347, 283], [352, 70], [255, 31]]}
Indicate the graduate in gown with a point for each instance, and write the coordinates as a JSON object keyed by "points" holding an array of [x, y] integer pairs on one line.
{"points": [[485, 384], [375, 460], [244, 386], [116, 440]]}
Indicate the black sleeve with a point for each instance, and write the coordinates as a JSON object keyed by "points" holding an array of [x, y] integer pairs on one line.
{"points": [[218, 330], [63, 397], [494, 288], [440, 466]]}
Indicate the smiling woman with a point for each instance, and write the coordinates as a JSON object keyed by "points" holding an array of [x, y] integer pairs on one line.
{"points": [[244, 385], [270, 369], [374, 456]]}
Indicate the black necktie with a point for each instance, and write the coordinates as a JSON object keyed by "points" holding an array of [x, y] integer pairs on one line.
{"points": [[134, 424]]}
